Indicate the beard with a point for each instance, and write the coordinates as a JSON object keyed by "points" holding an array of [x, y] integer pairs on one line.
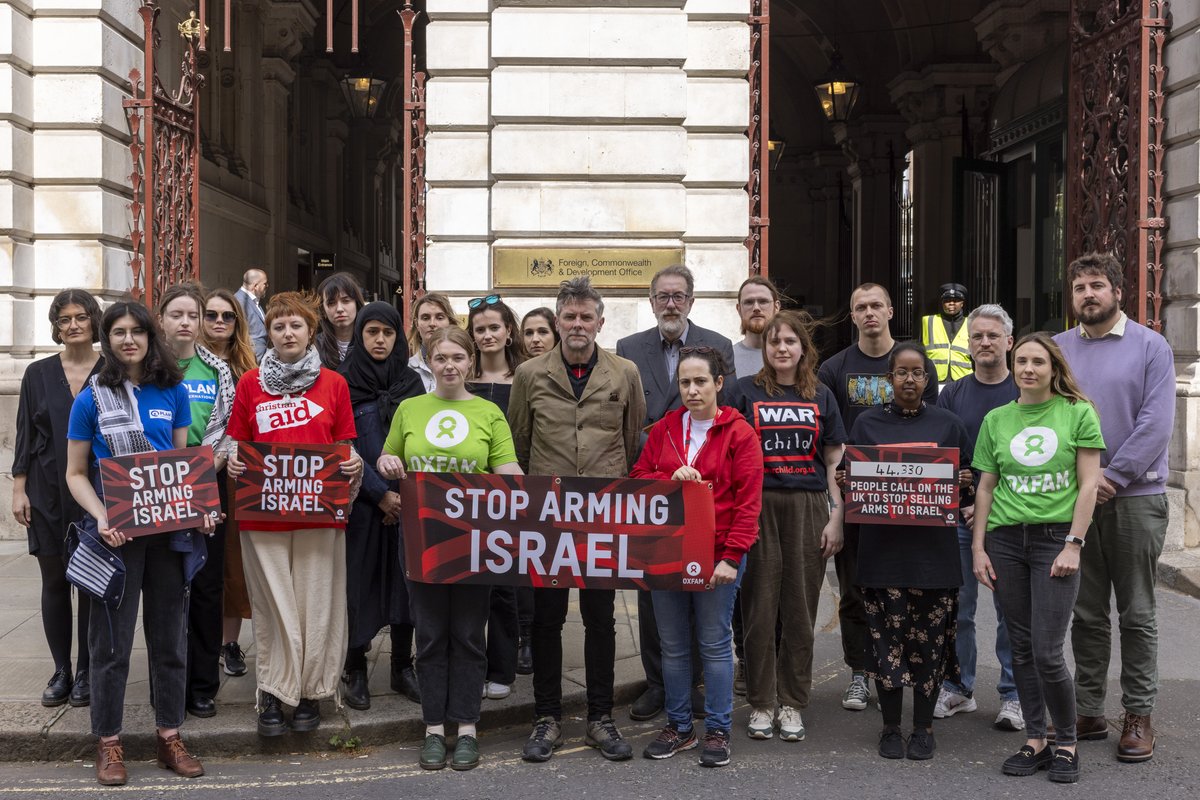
{"points": [[671, 328], [1095, 313], [756, 326]]}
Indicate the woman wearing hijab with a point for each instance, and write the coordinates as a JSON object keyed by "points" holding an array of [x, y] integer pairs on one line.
{"points": [[377, 372]]}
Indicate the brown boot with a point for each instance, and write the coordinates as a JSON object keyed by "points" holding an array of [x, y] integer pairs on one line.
{"points": [[1137, 738], [110, 763], [1090, 728], [174, 756]]}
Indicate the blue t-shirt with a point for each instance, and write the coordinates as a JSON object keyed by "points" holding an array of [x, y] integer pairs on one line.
{"points": [[161, 412]]}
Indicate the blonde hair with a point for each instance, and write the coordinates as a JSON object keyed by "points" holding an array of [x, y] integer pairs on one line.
{"points": [[441, 301], [1062, 380]]}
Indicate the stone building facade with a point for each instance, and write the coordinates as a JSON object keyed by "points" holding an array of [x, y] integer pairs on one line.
{"points": [[581, 124]]}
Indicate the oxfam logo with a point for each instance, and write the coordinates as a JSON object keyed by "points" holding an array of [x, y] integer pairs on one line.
{"points": [[1034, 446], [693, 568], [447, 429]]}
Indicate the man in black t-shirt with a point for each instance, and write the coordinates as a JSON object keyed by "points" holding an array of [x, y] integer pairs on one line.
{"points": [[858, 378], [990, 386]]}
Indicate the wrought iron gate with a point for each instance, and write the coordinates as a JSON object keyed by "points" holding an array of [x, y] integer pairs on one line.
{"points": [[1115, 142], [164, 129]]}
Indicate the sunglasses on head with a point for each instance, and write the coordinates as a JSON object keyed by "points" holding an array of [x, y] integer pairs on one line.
{"points": [[490, 300], [700, 350], [224, 316]]}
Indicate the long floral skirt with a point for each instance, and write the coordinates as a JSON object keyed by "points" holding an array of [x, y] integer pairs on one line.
{"points": [[912, 637]]}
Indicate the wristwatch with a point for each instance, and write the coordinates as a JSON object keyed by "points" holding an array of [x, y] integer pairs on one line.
{"points": [[1069, 539]]}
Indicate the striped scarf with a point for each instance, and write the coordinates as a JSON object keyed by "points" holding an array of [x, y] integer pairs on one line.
{"points": [[118, 418]]}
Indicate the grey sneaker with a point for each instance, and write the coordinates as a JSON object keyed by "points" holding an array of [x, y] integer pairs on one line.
{"points": [[604, 736], [857, 695], [1010, 717], [545, 739]]}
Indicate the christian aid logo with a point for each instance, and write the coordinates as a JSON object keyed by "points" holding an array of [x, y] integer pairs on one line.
{"points": [[290, 412]]}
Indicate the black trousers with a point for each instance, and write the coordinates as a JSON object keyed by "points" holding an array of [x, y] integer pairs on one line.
{"points": [[205, 615], [502, 632], [856, 635], [599, 649]]}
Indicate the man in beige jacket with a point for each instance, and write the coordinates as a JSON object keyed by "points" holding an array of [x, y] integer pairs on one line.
{"points": [[576, 411]]}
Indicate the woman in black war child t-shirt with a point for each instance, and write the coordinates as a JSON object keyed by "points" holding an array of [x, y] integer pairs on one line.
{"points": [[909, 575]]}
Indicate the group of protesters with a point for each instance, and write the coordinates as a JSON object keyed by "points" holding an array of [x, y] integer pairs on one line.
{"points": [[1061, 442]]}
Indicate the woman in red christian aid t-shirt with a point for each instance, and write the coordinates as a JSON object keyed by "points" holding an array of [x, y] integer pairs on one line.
{"points": [[705, 442], [296, 575]]}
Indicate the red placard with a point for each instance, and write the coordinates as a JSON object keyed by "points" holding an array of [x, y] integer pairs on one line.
{"points": [[292, 483], [901, 485], [164, 490], [587, 533]]}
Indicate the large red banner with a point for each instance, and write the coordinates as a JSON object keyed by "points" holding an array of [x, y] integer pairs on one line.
{"points": [[587, 533], [292, 483], [159, 491], [901, 485]]}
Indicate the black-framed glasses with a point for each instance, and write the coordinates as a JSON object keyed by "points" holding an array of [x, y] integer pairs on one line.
{"points": [[697, 350], [490, 300], [225, 316], [678, 298]]}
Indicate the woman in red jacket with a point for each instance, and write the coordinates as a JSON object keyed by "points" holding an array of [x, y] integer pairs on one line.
{"points": [[704, 442]]}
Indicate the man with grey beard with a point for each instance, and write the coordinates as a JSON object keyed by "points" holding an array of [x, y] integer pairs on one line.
{"points": [[656, 354]]}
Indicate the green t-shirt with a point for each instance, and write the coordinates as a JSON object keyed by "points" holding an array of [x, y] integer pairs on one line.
{"points": [[1032, 449], [200, 380], [435, 435]]}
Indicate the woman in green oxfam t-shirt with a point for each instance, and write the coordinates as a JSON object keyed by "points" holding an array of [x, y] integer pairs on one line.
{"points": [[449, 430], [1039, 459]]}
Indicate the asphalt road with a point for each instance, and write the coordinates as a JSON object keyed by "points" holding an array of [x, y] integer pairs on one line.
{"points": [[837, 760]]}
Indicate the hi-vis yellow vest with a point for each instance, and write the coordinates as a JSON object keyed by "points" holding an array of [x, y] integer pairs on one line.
{"points": [[952, 359]]}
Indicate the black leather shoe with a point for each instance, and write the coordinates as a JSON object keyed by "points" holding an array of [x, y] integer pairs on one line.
{"points": [[81, 692], [356, 692], [524, 657], [648, 705], [270, 718], [58, 688], [405, 683], [307, 716], [199, 706]]}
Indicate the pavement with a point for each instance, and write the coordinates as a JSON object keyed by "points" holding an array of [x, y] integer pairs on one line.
{"points": [[29, 732]]}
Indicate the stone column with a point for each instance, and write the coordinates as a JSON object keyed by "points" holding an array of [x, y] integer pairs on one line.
{"points": [[578, 124]]}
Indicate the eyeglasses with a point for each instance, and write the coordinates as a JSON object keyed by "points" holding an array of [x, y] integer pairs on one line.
{"points": [[224, 316], [903, 374], [490, 300], [697, 350], [678, 298], [78, 319]]}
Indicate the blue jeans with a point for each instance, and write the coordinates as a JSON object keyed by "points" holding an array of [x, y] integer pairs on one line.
{"points": [[968, 598], [714, 635]]}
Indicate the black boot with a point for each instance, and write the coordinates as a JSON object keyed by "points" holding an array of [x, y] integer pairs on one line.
{"points": [[81, 692], [307, 716], [404, 681], [356, 692], [524, 656], [58, 688], [270, 718]]}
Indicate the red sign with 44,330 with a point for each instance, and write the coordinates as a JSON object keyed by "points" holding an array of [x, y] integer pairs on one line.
{"points": [[901, 485]]}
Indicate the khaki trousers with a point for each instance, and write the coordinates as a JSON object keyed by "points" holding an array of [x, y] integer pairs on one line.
{"points": [[297, 584]]}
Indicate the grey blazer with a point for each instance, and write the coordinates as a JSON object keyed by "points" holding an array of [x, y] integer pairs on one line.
{"points": [[645, 350], [256, 321]]}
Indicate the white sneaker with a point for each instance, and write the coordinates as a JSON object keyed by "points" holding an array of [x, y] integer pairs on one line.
{"points": [[762, 724], [496, 691], [950, 703], [857, 695], [791, 726], [1010, 717]]}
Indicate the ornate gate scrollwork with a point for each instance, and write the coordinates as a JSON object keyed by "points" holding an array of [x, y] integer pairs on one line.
{"points": [[1115, 142], [759, 131], [412, 245], [165, 144]]}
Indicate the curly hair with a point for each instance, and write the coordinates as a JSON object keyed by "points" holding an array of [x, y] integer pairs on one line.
{"points": [[74, 297]]}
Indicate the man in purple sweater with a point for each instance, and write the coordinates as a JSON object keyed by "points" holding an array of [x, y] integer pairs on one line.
{"points": [[1128, 372]]}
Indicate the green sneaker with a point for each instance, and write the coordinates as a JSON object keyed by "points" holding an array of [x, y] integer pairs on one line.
{"points": [[433, 752], [466, 753]]}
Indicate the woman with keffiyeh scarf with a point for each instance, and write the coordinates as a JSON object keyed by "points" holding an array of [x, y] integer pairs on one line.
{"points": [[376, 369], [296, 574]]}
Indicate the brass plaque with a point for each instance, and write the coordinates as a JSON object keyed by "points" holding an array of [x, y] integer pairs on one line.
{"points": [[608, 267]]}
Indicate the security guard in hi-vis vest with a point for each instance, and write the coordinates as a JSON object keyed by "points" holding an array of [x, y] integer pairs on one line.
{"points": [[945, 335]]}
